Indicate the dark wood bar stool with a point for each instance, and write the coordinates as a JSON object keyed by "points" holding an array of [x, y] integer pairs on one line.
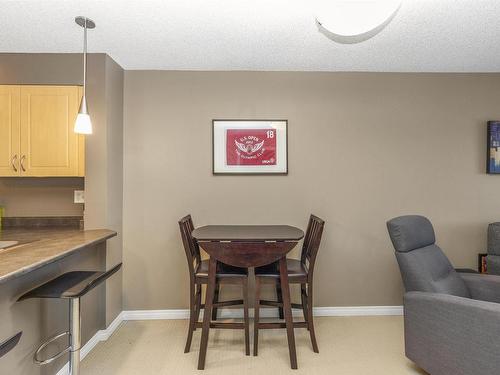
{"points": [[299, 272], [73, 286], [199, 275]]}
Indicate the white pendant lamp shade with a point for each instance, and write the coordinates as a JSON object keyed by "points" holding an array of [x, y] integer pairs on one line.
{"points": [[83, 124]]}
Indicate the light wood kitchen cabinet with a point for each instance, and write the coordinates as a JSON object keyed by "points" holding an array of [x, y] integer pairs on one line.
{"points": [[9, 130], [42, 141]]}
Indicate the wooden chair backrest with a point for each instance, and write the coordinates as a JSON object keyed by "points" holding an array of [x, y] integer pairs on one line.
{"points": [[191, 247], [312, 241]]}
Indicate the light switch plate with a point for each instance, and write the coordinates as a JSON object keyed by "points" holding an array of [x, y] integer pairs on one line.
{"points": [[79, 196]]}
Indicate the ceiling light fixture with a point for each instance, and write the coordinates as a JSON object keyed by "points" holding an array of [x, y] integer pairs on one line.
{"points": [[355, 21], [83, 125]]}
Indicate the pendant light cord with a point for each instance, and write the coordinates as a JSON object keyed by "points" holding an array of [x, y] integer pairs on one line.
{"points": [[84, 57]]}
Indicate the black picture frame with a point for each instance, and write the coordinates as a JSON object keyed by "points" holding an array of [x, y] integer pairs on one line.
{"points": [[225, 173], [493, 147]]}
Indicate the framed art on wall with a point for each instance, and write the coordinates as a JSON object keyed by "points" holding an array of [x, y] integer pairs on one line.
{"points": [[493, 157], [250, 146]]}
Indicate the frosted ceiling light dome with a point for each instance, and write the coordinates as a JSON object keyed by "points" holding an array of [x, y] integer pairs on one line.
{"points": [[355, 20]]}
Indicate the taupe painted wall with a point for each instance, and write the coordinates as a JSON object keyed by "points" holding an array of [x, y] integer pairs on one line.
{"points": [[25, 196], [114, 178], [363, 148]]}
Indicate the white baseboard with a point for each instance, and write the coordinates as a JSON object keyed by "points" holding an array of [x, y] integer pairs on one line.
{"points": [[358, 311], [267, 312], [101, 335], [104, 334], [155, 314]]}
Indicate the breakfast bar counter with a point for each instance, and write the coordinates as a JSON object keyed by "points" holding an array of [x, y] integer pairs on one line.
{"points": [[30, 257], [36, 248]]}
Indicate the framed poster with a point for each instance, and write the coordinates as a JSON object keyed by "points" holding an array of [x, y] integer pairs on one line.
{"points": [[493, 151], [250, 147]]}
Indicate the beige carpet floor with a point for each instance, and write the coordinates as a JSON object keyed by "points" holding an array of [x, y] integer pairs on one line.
{"points": [[348, 346]]}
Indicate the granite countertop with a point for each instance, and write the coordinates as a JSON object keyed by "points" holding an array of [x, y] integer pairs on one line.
{"points": [[38, 247]]}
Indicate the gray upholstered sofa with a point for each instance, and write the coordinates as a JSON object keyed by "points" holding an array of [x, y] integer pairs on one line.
{"points": [[452, 320], [493, 259]]}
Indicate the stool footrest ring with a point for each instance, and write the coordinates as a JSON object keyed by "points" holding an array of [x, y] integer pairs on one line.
{"points": [[38, 361]]}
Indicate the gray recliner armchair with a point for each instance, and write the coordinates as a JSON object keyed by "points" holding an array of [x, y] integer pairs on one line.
{"points": [[493, 259], [452, 320]]}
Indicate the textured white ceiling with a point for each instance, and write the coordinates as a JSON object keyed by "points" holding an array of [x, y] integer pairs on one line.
{"points": [[425, 36]]}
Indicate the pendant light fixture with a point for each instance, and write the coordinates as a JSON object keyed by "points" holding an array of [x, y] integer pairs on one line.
{"points": [[83, 125]]}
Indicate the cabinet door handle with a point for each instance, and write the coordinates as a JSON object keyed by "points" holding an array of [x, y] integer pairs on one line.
{"points": [[21, 163], [13, 162]]}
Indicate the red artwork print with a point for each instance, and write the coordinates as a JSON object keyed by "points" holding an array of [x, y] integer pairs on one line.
{"points": [[251, 146]]}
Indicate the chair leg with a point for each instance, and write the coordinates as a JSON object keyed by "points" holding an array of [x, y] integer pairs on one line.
{"points": [[216, 299], [245, 316], [287, 309], [256, 317], [192, 316], [303, 297], [279, 297], [197, 305], [310, 320], [207, 313]]}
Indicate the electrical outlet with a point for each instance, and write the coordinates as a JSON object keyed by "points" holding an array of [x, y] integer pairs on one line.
{"points": [[79, 196]]}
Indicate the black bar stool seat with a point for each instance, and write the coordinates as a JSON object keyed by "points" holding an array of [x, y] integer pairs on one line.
{"points": [[9, 344], [71, 286]]}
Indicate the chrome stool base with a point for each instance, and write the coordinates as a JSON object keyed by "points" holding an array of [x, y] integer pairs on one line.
{"points": [[75, 336], [75, 341]]}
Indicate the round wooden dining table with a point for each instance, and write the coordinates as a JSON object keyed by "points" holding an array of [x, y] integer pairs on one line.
{"points": [[247, 246]]}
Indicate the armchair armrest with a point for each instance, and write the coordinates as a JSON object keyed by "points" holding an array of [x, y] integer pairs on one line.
{"points": [[483, 287], [446, 334]]}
